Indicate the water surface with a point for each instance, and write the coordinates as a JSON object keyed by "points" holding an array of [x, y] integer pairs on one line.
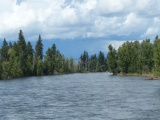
{"points": [[90, 96]]}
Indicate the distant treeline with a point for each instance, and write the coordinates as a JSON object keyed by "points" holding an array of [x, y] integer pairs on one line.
{"points": [[19, 59], [93, 63], [135, 57]]}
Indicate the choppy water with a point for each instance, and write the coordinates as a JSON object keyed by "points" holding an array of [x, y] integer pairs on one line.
{"points": [[91, 96]]}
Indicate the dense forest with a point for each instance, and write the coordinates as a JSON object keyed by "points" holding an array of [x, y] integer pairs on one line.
{"points": [[19, 59], [135, 57]]}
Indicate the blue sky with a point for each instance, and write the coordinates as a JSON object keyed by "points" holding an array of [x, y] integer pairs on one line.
{"points": [[78, 25]]}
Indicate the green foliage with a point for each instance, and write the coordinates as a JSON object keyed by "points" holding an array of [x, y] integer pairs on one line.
{"points": [[39, 67], [19, 60], [156, 58], [50, 59], [15, 65], [4, 51], [55, 63], [128, 57], [102, 61], [1, 70], [21, 51], [92, 64], [112, 59], [84, 61], [147, 55], [135, 57], [98, 67], [29, 49], [39, 49], [29, 59], [6, 70], [71, 65]]}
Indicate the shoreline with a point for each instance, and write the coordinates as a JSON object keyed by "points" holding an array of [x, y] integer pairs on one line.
{"points": [[149, 76]]}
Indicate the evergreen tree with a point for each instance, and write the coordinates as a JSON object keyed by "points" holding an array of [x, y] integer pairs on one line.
{"points": [[102, 62], [38, 57], [6, 70], [22, 52], [84, 61], [10, 45], [29, 49], [21, 42], [14, 64], [93, 63], [29, 52], [112, 59], [98, 67], [39, 67], [71, 65], [59, 62], [4, 51], [66, 66], [50, 60], [39, 49]]}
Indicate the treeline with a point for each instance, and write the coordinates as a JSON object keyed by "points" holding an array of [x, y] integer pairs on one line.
{"points": [[93, 63], [135, 57], [19, 59]]}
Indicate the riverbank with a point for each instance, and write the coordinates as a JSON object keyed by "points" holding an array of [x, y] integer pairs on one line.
{"points": [[150, 76]]}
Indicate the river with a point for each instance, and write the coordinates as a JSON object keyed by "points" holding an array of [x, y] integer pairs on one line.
{"points": [[87, 96]]}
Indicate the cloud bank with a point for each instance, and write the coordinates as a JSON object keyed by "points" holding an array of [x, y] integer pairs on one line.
{"points": [[72, 19]]}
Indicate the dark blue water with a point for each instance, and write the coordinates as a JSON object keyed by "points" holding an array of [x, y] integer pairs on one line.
{"points": [[92, 96]]}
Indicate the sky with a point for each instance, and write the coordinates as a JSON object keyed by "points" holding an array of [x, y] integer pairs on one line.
{"points": [[78, 25]]}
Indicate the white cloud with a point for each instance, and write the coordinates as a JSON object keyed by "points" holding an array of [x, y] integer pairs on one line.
{"points": [[151, 31], [116, 44], [79, 18], [112, 7]]}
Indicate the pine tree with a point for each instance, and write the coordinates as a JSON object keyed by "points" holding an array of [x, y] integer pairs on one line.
{"points": [[39, 67], [93, 63], [84, 60], [50, 60], [38, 56], [4, 51], [112, 59], [71, 65], [29, 52], [22, 52], [39, 49], [29, 49], [102, 61]]}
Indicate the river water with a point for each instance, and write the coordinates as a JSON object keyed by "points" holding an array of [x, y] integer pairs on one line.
{"points": [[90, 96]]}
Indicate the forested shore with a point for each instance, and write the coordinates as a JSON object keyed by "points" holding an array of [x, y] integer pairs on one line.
{"points": [[136, 58], [19, 59]]}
